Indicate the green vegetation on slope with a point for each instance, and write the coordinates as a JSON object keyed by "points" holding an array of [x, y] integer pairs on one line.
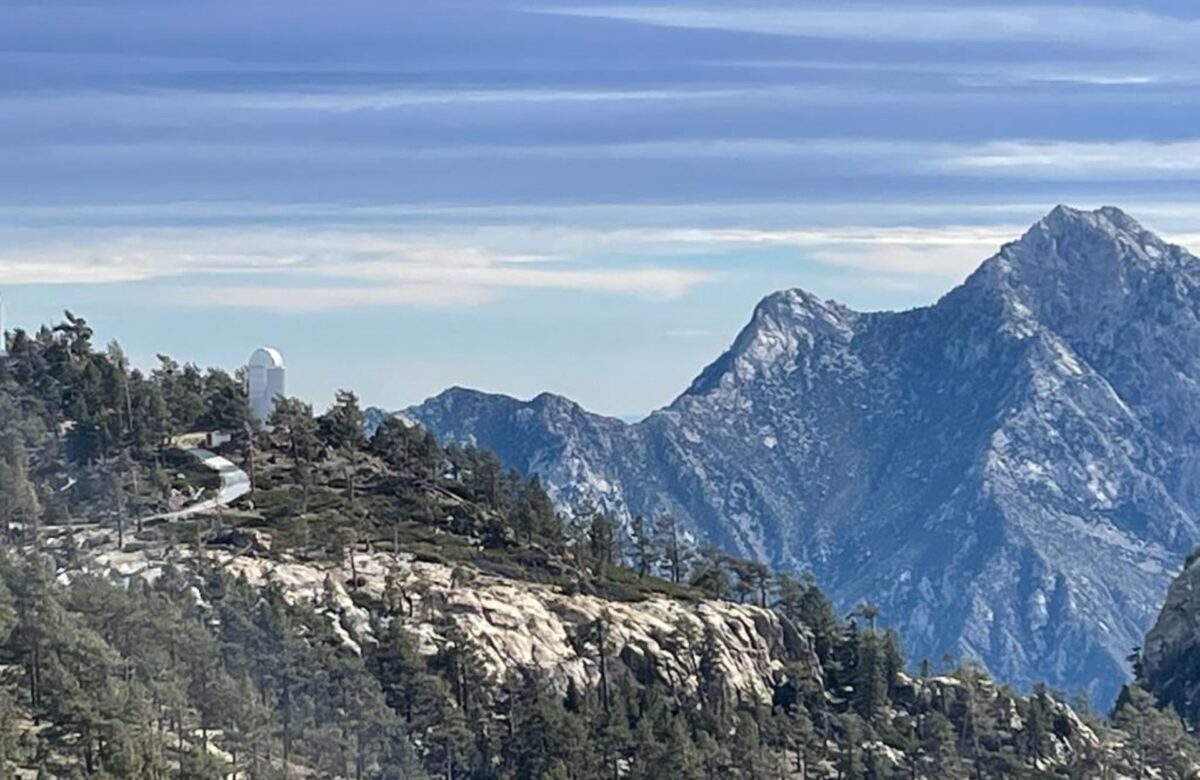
{"points": [[199, 675]]}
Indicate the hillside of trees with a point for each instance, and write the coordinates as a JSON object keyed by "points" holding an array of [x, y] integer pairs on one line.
{"points": [[196, 674]]}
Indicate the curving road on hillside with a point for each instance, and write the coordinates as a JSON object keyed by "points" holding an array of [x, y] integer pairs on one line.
{"points": [[235, 483]]}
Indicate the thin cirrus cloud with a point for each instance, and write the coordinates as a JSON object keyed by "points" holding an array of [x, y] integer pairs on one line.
{"points": [[297, 270], [565, 177], [1085, 160], [440, 286], [351, 100], [917, 23], [1136, 76], [1119, 160], [315, 270], [1065, 159], [1119, 73], [1129, 159], [319, 268]]}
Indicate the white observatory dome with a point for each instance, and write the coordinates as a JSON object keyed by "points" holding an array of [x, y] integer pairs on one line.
{"points": [[265, 382], [266, 357]]}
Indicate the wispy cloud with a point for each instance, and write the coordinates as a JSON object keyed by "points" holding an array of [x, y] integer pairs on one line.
{"points": [[894, 255], [352, 100], [311, 269], [1133, 77], [824, 213], [900, 266], [475, 153], [1078, 159], [429, 256], [1110, 72], [917, 23], [1035, 158]]}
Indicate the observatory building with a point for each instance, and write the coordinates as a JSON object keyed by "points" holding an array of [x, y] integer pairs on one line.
{"points": [[264, 382]]}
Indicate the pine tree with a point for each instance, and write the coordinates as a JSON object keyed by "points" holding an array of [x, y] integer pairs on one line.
{"points": [[546, 742], [805, 605], [292, 421], [534, 516], [341, 427], [19, 505], [870, 677], [850, 759], [593, 641], [1158, 740], [645, 554], [709, 573], [674, 549], [800, 738], [603, 546]]}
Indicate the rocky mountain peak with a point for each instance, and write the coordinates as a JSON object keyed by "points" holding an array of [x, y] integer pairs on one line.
{"points": [[1084, 275], [784, 324], [1010, 473], [800, 309], [1065, 221], [1089, 248], [1107, 224], [557, 404]]}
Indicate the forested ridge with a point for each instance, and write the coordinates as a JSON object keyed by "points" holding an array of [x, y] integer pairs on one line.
{"points": [[194, 673]]}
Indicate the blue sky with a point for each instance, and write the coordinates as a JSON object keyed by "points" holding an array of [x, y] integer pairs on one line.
{"points": [[528, 195]]}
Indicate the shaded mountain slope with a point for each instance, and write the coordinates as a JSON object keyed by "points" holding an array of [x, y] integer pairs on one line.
{"points": [[1007, 473]]}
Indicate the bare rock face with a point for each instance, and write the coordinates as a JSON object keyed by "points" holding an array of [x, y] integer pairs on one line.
{"points": [[516, 625], [1009, 473], [1171, 655]]}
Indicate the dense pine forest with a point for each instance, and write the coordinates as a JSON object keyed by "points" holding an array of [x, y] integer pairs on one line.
{"points": [[196, 672]]}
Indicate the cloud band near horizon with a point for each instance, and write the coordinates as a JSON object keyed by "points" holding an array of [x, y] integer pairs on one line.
{"points": [[562, 177]]}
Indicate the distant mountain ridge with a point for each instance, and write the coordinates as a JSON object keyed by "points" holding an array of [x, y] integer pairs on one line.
{"points": [[1008, 473]]}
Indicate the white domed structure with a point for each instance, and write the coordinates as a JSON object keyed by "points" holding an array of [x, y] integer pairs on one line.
{"points": [[264, 382]]}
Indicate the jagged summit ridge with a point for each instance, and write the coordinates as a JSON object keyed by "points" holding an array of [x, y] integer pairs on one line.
{"points": [[1106, 243], [784, 325], [1065, 222], [1009, 473]]}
